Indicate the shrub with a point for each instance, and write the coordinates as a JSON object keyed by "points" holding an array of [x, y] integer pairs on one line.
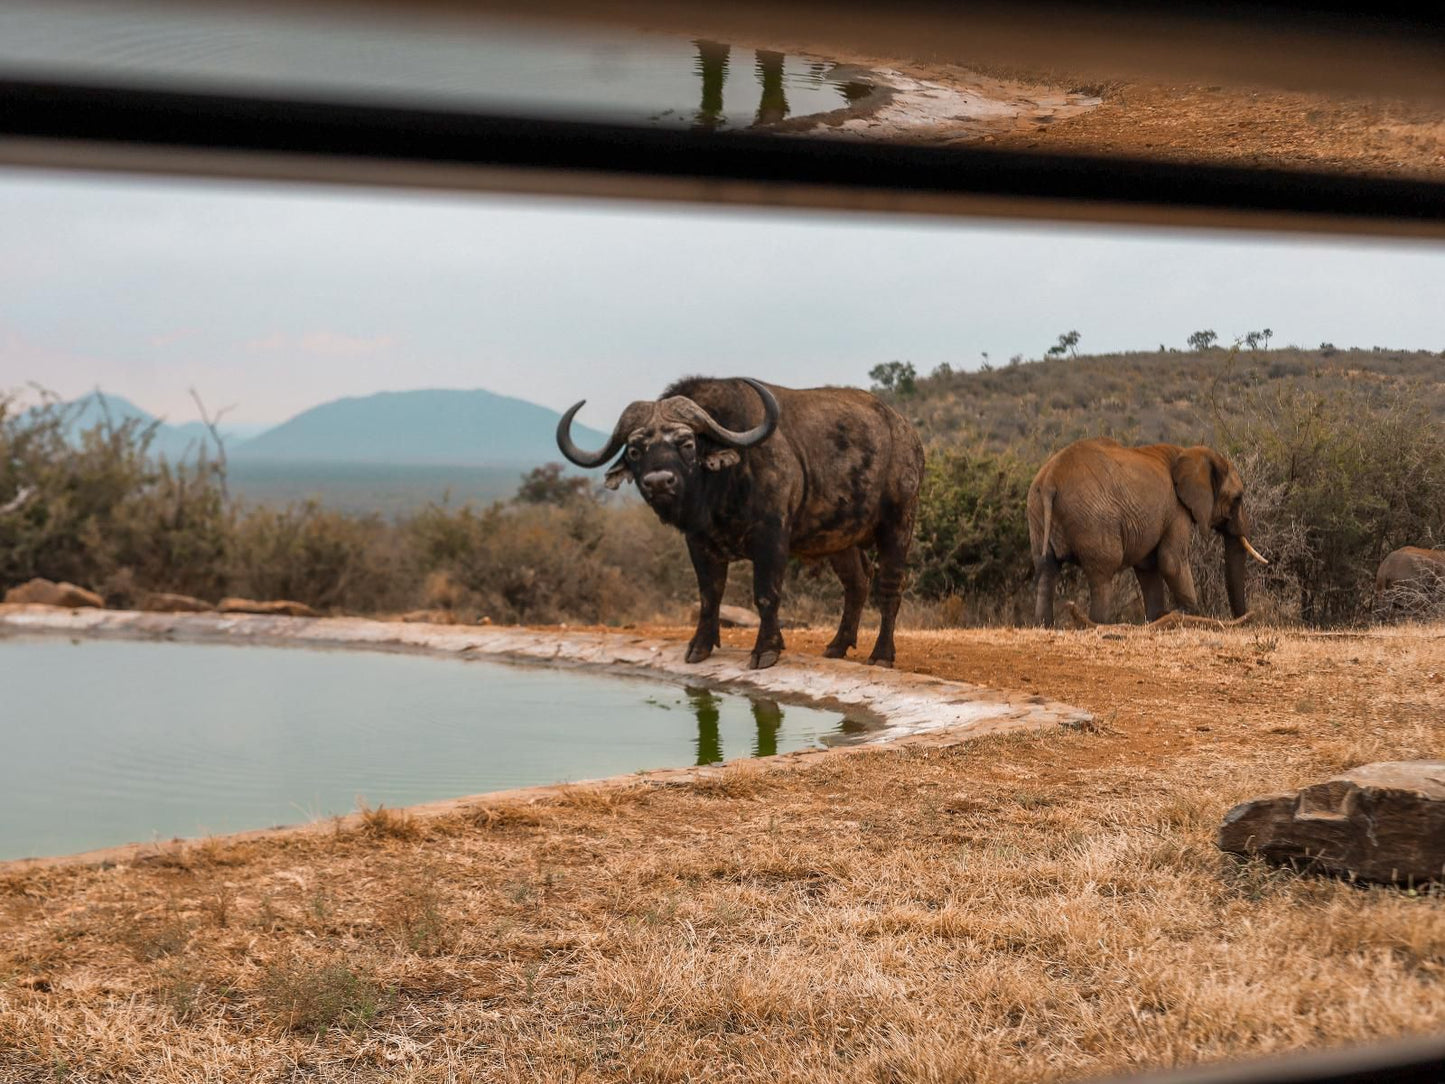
{"points": [[583, 561], [972, 537], [1337, 481], [324, 558], [311, 997], [105, 512]]}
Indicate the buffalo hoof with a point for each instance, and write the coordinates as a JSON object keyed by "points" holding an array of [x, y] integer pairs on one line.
{"points": [[836, 651], [887, 664], [697, 652], [761, 661]]}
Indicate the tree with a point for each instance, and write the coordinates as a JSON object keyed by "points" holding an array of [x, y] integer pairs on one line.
{"points": [[898, 377], [547, 485], [1252, 340], [1067, 341], [942, 369], [1202, 340], [1266, 335]]}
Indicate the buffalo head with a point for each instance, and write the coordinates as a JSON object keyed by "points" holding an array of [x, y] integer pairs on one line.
{"points": [[665, 443]]}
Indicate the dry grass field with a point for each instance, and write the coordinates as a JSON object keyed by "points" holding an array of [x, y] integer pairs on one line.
{"points": [[1032, 907]]}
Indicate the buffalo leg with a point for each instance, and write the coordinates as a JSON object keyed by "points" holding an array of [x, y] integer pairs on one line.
{"points": [[1151, 586], [1046, 579], [893, 536], [850, 569], [770, 561], [712, 578]]}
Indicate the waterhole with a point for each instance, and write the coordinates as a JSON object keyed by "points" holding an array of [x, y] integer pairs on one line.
{"points": [[117, 741]]}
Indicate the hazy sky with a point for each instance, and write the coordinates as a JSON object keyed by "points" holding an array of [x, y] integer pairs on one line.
{"points": [[277, 298]]}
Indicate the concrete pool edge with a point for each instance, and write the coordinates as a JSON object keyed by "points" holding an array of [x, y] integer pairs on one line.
{"points": [[907, 706]]}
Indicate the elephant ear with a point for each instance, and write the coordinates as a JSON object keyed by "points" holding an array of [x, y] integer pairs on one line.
{"points": [[1194, 483]]}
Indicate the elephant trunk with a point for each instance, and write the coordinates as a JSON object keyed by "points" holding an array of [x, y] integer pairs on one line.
{"points": [[1234, 562]]}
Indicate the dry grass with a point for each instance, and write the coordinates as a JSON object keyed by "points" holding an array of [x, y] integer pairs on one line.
{"points": [[1008, 909]]}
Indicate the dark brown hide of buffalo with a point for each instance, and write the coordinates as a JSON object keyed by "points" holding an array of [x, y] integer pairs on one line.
{"points": [[839, 475]]}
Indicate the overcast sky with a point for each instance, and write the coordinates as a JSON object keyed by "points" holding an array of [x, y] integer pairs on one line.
{"points": [[278, 298]]}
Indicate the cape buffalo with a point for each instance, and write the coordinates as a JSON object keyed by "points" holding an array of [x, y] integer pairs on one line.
{"points": [[755, 471]]}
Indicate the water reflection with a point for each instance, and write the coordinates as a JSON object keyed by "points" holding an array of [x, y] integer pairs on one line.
{"points": [[711, 67], [767, 717], [773, 106]]}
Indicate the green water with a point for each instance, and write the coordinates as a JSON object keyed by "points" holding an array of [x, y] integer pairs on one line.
{"points": [[118, 741]]}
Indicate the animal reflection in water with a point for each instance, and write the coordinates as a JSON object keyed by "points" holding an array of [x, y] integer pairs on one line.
{"points": [[767, 715], [712, 69]]}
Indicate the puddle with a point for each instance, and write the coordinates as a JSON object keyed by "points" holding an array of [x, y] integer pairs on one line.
{"points": [[118, 741], [488, 65]]}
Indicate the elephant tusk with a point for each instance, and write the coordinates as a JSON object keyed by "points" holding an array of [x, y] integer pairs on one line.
{"points": [[1253, 552]]}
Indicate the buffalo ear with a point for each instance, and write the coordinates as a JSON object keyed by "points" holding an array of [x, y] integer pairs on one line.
{"points": [[619, 473], [723, 457], [1193, 474]]}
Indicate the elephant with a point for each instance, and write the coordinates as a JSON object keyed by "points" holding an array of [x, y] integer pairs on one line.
{"points": [[1411, 566], [1107, 507]]}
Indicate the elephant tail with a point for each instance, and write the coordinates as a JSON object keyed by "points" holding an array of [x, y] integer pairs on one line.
{"points": [[1047, 494]]}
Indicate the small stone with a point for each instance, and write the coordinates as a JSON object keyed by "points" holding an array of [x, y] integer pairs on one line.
{"points": [[277, 607], [43, 592], [430, 617], [733, 617], [1378, 822], [166, 602]]}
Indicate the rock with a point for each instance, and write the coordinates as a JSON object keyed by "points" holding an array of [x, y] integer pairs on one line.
{"points": [[49, 593], [166, 602], [431, 617], [1379, 822], [733, 617], [282, 607]]}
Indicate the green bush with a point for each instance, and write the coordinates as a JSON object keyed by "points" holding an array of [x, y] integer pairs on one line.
{"points": [[326, 559], [972, 537], [105, 512], [1336, 481]]}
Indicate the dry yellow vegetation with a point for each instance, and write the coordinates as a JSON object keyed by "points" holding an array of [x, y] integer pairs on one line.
{"points": [[1031, 907]]}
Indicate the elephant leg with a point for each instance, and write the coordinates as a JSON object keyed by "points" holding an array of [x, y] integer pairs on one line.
{"points": [[1101, 594], [712, 579], [1151, 586], [1046, 579], [1174, 564], [894, 536], [850, 569]]}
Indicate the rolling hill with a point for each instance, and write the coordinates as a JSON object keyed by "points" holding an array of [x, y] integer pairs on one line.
{"points": [[171, 441], [434, 427], [1147, 396]]}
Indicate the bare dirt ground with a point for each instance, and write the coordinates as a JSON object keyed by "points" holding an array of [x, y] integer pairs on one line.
{"points": [[1014, 908], [1217, 125], [1254, 126]]}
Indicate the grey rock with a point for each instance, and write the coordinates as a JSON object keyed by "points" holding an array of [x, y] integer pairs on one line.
{"points": [[1378, 822]]}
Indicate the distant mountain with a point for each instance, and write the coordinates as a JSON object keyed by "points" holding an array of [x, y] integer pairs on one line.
{"points": [[433, 427], [171, 441]]}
